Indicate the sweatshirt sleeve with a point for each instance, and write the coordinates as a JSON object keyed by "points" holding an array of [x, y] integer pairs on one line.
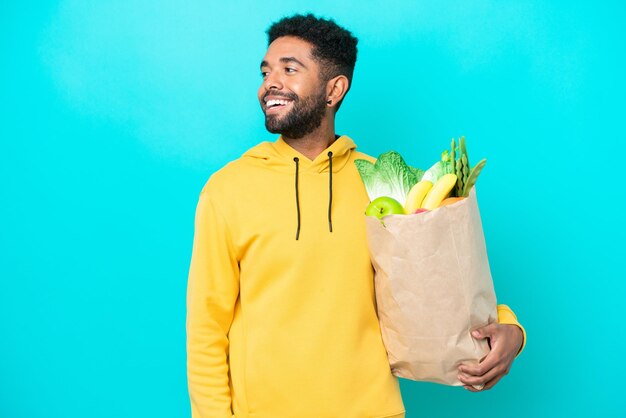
{"points": [[507, 316], [212, 290]]}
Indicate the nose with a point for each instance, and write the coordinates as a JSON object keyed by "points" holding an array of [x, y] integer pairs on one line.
{"points": [[273, 81]]}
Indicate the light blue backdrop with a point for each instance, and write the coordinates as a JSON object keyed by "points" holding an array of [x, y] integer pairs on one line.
{"points": [[114, 114]]}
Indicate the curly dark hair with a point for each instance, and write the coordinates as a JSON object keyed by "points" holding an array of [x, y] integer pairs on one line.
{"points": [[334, 47]]}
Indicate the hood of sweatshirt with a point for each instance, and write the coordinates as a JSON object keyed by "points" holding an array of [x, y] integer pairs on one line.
{"points": [[280, 156]]}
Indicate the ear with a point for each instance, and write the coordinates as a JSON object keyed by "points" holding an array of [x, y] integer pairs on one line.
{"points": [[336, 88]]}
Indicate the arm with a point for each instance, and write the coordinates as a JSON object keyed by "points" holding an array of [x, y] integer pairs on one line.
{"points": [[507, 316], [213, 287], [507, 338]]}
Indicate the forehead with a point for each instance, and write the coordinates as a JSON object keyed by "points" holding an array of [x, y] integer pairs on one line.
{"points": [[289, 46]]}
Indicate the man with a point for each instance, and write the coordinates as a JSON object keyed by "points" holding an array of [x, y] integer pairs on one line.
{"points": [[281, 306]]}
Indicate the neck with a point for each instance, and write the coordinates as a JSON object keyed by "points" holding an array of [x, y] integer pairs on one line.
{"points": [[312, 145]]}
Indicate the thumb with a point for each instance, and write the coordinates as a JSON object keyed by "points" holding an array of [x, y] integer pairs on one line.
{"points": [[484, 332]]}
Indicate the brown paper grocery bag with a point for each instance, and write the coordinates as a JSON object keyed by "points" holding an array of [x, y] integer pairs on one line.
{"points": [[433, 287]]}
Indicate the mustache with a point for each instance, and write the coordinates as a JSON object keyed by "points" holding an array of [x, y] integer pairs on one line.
{"points": [[288, 96]]}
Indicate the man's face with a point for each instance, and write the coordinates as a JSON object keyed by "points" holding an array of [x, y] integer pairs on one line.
{"points": [[292, 96]]}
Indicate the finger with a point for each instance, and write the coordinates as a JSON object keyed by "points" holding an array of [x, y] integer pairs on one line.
{"points": [[501, 356], [481, 380], [486, 363], [471, 388], [472, 370], [484, 332], [495, 356], [493, 381]]}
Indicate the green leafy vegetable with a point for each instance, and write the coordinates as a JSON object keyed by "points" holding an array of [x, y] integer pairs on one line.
{"points": [[419, 173], [447, 162], [440, 168], [389, 176], [434, 173]]}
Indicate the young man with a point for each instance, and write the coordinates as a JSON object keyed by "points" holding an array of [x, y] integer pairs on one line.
{"points": [[281, 305]]}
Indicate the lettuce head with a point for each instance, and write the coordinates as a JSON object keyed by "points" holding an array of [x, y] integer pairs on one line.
{"points": [[389, 176]]}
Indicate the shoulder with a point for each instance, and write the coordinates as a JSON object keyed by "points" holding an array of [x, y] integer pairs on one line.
{"points": [[223, 179], [357, 155]]}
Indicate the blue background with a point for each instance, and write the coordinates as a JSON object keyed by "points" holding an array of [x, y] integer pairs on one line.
{"points": [[114, 114]]}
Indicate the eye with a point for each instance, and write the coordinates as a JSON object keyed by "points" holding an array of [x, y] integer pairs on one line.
{"points": [[263, 74], [290, 69]]}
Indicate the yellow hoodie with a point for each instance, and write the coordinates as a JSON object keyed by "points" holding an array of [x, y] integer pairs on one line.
{"points": [[281, 316]]}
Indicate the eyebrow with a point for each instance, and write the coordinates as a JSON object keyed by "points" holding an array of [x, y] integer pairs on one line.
{"points": [[284, 60]]}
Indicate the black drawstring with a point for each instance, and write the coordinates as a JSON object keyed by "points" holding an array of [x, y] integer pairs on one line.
{"points": [[330, 189], [296, 159]]}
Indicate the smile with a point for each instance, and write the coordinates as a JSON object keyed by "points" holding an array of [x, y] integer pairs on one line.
{"points": [[275, 105]]}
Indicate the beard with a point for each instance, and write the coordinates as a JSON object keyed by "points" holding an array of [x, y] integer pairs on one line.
{"points": [[304, 117]]}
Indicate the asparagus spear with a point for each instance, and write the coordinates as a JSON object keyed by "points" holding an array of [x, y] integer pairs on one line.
{"points": [[459, 177], [461, 167], [473, 176], [466, 169], [466, 163], [462, 147], [452, 153]]}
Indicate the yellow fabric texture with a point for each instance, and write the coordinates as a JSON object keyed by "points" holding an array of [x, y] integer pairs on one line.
{"points": [[507, 316], [279, 327]]}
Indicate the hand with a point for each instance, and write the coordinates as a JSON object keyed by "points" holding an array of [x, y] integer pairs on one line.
{"points": [[505, 341]]}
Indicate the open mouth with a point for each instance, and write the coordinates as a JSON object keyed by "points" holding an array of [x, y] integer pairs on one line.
{"points": [[275, 105]]}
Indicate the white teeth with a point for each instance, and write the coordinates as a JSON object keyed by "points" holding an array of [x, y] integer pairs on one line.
{"points": [[273, 102]]}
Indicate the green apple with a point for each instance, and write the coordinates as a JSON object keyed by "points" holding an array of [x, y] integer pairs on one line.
{"points": [[383, 206]]}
